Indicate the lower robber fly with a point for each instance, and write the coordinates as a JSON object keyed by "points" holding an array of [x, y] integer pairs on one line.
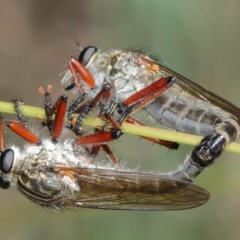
{"points": [[125, 81], [58, 173]]}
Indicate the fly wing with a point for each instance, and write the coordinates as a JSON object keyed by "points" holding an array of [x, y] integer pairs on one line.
{"points": [[201, 93], [109, 189]]}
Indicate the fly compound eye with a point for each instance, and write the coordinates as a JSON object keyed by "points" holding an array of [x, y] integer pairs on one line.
{"points": [[6, 160], [86, 54], [4, 182]]}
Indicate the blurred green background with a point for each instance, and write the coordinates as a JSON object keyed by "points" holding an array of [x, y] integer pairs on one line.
{"points": [[199, 39]]}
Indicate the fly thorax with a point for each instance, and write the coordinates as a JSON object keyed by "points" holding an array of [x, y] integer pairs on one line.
{"points": [[36, 177], [130, 75]]}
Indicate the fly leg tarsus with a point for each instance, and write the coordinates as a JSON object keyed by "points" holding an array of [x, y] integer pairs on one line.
{"points": [[74, 108], [75, 124], [16, 105], [208, 150], [47, 107], [101, 98]]}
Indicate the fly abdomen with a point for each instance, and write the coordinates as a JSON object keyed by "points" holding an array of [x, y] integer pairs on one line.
{"points": [[182, 112]]}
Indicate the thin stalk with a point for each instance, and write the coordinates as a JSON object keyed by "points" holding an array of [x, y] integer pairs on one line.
{"points": [[128, 128]]}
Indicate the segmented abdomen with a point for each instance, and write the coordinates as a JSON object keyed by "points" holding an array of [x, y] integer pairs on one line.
{"points": [[182, 112]]}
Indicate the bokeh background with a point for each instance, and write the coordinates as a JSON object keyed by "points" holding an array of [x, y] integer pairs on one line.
{"points": [[199, 39]]}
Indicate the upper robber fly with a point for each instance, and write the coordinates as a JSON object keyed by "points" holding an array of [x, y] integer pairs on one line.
{"points": [[124, 81]]}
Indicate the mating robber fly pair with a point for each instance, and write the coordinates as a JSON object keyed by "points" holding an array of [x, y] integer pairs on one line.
{"points": [[60, 173]]}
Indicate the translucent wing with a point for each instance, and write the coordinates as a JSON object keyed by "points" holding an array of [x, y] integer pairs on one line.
{"points": [[202, 93], [109, 189]]}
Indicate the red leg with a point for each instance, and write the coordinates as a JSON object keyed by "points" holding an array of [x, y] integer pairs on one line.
{"points": [[110, 154], [83, 110], [136, 101], [76, 67], [98, 137], [103, 137], [150, 92], [168, 144], [18, 126], [144, 97], [20, 130], [96, 148], [56, 125], [58, 110]]}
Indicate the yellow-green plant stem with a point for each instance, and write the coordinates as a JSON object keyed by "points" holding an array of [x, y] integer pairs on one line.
{"points": [[128, 128]]}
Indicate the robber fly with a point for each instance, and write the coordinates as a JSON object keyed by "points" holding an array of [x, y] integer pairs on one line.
{"points": [[58, 173], [125, 81]]}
